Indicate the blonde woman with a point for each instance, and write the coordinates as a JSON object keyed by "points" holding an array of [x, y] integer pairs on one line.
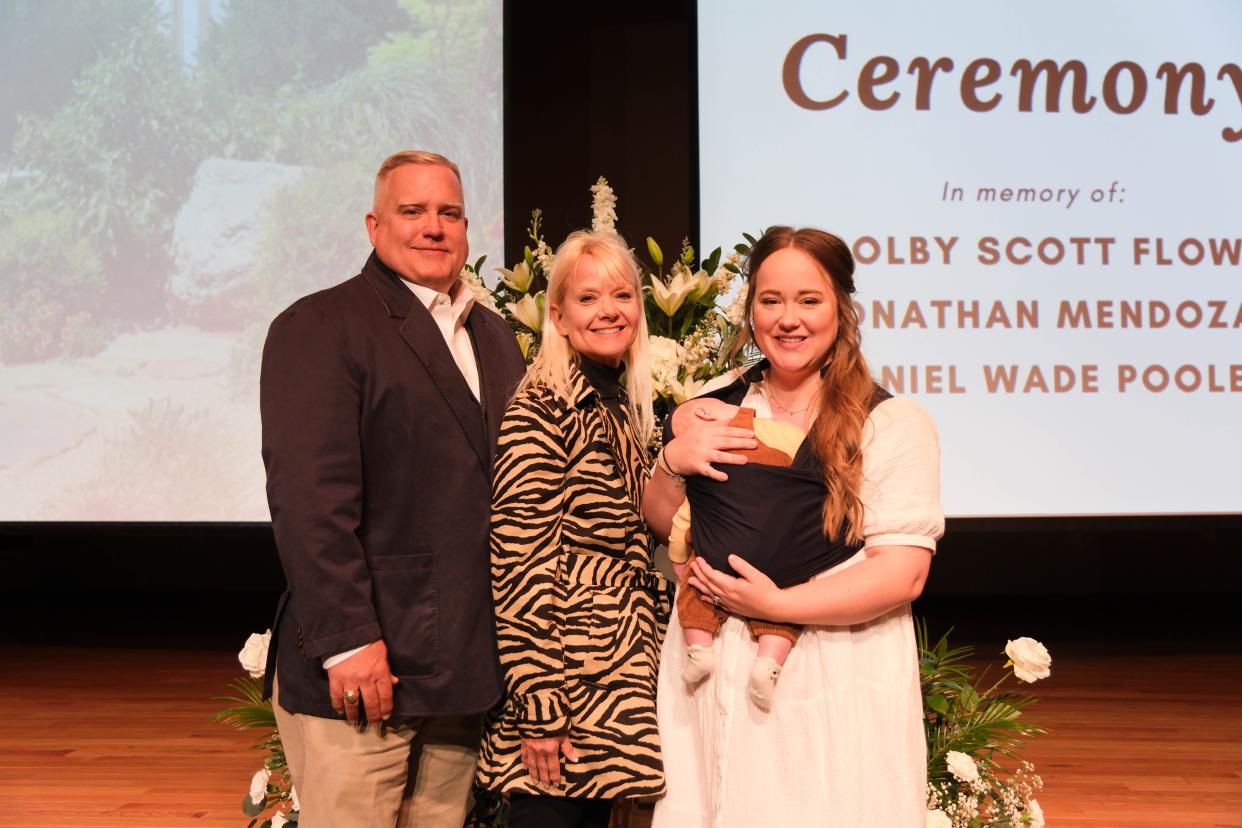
{"points": [[579, 609], [843, 743]]}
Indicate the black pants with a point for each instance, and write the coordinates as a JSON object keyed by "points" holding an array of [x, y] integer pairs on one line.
{"points": [[527, 811]]}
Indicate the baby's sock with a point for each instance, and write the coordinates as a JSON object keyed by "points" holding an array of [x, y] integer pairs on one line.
{"points": [[700, 661], [762, 686]]}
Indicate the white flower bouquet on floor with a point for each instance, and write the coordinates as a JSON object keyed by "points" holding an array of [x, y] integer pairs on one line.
{"points": [[271, 791], [970, 730]]}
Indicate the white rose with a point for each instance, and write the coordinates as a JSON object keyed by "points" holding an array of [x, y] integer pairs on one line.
{"points": [[1037, 814], [253, 656], [279, 819], [962, 766], [258, 786], [935, 819], [1031, 661]]}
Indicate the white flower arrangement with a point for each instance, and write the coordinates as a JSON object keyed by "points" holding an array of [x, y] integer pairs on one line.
{"points": [[270, 787], [970, 729], [681, 305]]}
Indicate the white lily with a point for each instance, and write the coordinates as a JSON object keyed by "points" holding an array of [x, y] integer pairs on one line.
{"points": [[686, 389], [702, 283], [519, 278], [525, 341], [529, 310], [670, 297]]}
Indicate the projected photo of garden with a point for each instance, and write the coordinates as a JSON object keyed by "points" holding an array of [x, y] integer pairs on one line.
{"points": [[172, 175]]}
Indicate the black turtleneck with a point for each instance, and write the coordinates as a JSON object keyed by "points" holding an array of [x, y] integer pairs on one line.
{"points": [[607, 383]]}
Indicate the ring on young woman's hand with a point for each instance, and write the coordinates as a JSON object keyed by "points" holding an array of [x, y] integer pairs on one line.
{"points": [[716, 600]]}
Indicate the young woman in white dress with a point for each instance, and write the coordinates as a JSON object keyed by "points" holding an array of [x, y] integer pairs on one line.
{"points": [[843, 743]]}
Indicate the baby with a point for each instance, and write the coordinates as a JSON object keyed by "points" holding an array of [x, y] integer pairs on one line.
{"points": [[724, 506]]}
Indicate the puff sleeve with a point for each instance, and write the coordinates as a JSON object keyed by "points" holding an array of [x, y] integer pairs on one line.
{"points": [[901, 477]]}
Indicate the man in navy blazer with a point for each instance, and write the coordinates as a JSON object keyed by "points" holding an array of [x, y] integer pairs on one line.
{"points": [[381, 401]]}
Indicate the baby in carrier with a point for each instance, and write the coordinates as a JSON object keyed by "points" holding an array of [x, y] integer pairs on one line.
{"points": [[747, 515]]}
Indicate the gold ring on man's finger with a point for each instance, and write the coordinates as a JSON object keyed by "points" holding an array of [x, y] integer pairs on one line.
{"points": [[351, 696]]}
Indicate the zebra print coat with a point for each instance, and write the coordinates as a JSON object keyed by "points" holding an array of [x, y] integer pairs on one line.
{"points": [[580, 613]]}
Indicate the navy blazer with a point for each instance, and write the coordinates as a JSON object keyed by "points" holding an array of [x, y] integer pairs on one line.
{"points": [[379, 464]]}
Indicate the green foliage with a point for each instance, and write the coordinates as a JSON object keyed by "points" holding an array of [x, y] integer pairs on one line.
{"points": [[402, 81], [317, 43], [250, 711], [49, 281], [80, 31], [118, 159], [959, 716], [37, 247], [312, 236]]}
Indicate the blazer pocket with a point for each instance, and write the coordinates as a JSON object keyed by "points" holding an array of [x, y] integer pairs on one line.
{"points": [[407, 599]]}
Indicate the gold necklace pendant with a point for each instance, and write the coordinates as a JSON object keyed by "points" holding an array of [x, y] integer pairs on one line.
{"points": [[790, 411]]}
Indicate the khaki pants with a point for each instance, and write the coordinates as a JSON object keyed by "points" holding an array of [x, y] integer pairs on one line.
{"points": [[415, 772]]}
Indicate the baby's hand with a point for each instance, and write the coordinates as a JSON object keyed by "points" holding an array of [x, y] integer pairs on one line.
{"points": [[704, 410]]}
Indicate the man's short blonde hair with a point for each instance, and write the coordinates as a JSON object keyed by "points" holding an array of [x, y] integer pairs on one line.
{"points": [[400, 159]]}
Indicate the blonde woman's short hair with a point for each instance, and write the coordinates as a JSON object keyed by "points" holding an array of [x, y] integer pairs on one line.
{"points": [[614, 260]]}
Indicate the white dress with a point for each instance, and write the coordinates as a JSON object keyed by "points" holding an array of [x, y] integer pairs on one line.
{"points": [[843, 745]]}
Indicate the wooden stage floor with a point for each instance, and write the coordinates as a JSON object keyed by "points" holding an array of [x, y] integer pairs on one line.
{"points": [[105, 737]]}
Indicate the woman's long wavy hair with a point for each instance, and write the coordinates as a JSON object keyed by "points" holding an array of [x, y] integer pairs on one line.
{"points": [[552, 366], [843, 404]]}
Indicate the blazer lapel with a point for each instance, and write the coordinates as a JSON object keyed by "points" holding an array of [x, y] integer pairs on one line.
{"points": [[421, 334], [484, 333], [419, 331]]}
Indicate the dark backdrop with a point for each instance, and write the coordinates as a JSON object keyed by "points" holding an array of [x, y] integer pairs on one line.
{"points": [[610, 90]]}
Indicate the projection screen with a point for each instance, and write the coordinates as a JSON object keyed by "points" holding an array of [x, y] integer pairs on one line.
{"points": [[1045, 210], [173, 173]]}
